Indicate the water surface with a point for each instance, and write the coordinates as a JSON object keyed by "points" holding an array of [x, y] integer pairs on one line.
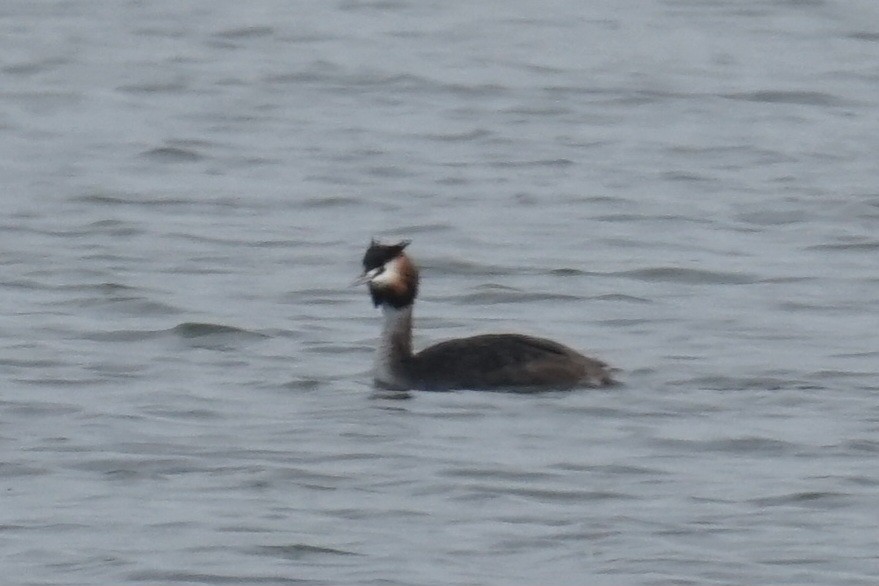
{"points": [[686, 189]]}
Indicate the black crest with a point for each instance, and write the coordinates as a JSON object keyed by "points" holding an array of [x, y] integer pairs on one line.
{"points": [[379, 254]]}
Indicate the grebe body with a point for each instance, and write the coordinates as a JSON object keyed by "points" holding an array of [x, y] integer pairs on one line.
{"points": [[483, 362]]}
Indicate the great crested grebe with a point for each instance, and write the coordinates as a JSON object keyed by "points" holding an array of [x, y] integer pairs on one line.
{"points": [[485, 362]]}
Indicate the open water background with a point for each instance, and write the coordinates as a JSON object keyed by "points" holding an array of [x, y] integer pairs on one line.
{"points": [[688, 189]]}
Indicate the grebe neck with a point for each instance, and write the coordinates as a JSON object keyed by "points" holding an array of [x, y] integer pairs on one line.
{"points": [[394, 351]]}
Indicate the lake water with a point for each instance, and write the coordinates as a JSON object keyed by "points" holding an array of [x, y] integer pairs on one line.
{"points": [[687, 189]]}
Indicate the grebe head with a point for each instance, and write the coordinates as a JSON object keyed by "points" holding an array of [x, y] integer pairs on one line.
{"points": [[390, 274]]}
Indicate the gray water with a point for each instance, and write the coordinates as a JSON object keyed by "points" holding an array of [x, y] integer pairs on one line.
{"points": [[684, 188]]}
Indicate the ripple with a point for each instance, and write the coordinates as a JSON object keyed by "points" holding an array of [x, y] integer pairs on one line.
{"points": [[372, 5], [688, 276], [865, 36], [497, 295], [500, 475], [868, 245], [456, 266], [428, 228], [788, 97], [10, 470], [304, 384], [330, 201], [542, 495], [170, 154], [773, 218], [122, 335], [327, 75], [558, 495], [168, 87], [823, 499], [112, 199], [182, 577], [724, 383], [35, 66], [318, 296], [612, 469], [740, 445], [468, 136], [201, 329], [629, 218], [622, 297], [30, 409], [532, 163], [124, 468], [246, 32], [567, 272], [685, 177], [864, 445], [128, 304], [299, 551]]}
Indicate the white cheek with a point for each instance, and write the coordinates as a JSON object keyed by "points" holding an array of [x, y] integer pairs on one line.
{"points": [[391, 274]]}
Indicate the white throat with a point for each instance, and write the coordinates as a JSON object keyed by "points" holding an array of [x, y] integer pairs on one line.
{"points": [[394, 347]]}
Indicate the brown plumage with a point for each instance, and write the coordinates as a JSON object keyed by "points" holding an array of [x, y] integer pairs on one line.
{"points": [[484, 362]]}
